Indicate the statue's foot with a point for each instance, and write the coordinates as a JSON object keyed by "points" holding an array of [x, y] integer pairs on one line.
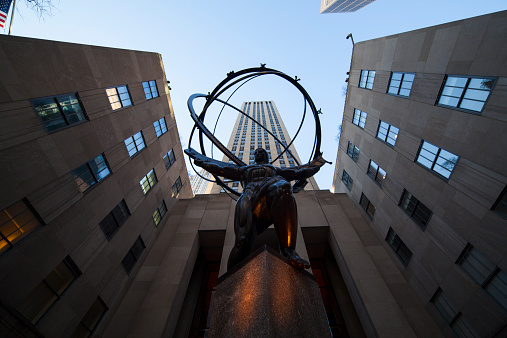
{"points": [[294, 259]]}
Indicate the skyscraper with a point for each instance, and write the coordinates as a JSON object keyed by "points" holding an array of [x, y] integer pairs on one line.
{"points": [[246, 136], [422, 152], [200, 185], [342, 6]]}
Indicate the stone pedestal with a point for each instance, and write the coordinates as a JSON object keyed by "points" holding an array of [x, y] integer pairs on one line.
{"points": [[266, 297]]}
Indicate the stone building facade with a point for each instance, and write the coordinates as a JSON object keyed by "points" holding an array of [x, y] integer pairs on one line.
{"points": [[422, 151], [91, 167]]}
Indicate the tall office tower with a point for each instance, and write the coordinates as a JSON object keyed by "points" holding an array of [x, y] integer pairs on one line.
{"points": [[423, 153], [200, 185], [91, 168], [247, 136], [342, 6]]}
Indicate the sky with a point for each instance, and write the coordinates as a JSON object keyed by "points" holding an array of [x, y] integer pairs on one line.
{"points": [[201, 41]]}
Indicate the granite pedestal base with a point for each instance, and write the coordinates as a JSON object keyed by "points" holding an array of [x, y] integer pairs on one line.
{"points": [[266, 297]]}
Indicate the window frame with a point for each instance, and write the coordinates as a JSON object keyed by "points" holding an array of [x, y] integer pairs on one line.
{"points": [[74, 271], [388, 133], [178, 185], [89, 169], [150, 88], [60, 109], [465, 88], [418, 206], [502, 199], [118, 222], [9, 243], [84, 325], [159, 214], [450, 318], [368, 76], [399, 245], [347, 180], [401, 84], [375, 176], [367, 206], [159, 124], [354, 148], [169, 159], [133, 141], [120, 100], [360, 116], [434, 161], [146, 178], [137, 256], [493, 272]]}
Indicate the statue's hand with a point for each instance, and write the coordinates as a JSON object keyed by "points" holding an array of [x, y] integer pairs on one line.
{"points": [[320, 161]]}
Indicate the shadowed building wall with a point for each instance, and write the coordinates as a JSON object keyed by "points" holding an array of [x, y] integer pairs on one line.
{"points": [[86, 180]]}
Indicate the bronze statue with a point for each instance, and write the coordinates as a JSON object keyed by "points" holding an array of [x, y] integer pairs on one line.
{"points": [[266, 199]]}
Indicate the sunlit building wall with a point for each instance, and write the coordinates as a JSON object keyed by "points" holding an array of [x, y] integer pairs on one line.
{"points": [[422, 154], [199, 184]]}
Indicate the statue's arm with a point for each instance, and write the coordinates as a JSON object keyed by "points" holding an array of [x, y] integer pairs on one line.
{"points": [[304, 171], [218, 168]]}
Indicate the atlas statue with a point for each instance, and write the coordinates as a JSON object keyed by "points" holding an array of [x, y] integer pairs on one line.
{"points": [[267, 197]]}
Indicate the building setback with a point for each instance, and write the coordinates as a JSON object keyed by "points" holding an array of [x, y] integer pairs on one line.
{"points": [[246, 136], [422, 151], [91, 167]]}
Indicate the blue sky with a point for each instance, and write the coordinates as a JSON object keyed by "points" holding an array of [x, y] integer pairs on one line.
{"points": [[201, 41]]}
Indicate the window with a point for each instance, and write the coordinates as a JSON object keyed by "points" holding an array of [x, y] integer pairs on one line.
{"points": [[91, 319], [400, 249], [133, 255], [500, 205], [135, 143], [367, 78], [57, 112], [169, 159], [452, 317], [118, 97], [401, 83], [485, 273], [115, 219], [367, 205], [376, 172], [159, 213], [466, 93], [49, 290], [436, 159], [150, 89], [91, 172], [415, 209], [353, 152], [177, 186], [148, 181], [347, 180], [16, 222], [387, 133], [359, 118], [160, 126]]}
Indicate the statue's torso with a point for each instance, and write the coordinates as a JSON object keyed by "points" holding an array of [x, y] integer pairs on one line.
{"points": [[257, 173]]}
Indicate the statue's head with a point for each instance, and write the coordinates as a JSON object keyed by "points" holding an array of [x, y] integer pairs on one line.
{"points": [[261, 156]]}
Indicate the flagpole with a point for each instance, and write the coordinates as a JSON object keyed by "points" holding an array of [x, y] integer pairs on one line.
{"points": [[12, 16]]}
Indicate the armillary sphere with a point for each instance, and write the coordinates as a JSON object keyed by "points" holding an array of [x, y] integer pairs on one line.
{"points": [[240, 78]]}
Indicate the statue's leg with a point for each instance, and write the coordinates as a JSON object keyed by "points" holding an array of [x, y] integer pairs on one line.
{"points": [[243, 229], [284, 213]]}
